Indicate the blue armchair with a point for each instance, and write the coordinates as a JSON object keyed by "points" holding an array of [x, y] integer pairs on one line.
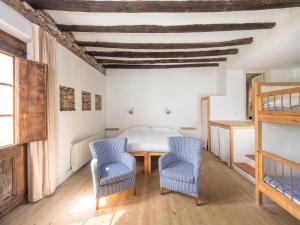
{"points": [[113, 169], [179, 169]]}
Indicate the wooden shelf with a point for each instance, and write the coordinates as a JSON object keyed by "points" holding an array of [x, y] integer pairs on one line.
{"points": [[112, 129], [279, 119], [251, 157], [245, 167], [234, 123]]}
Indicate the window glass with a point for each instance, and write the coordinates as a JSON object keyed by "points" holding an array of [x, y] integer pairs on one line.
{"points": [[6, 69], [6, 100], [6, 131]]}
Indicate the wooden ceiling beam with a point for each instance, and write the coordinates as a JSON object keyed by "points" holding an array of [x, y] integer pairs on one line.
{"points": [[161, 6], [118, 66], [167, 29], [159, 61], [48, 24], [235, 42], [129, 54]]}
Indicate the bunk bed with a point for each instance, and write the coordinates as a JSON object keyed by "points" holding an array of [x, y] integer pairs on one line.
{"points": [[277, 177]]}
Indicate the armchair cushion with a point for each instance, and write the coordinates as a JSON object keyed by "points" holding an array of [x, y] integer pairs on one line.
{"points": [[179, 170], [115, 172]]}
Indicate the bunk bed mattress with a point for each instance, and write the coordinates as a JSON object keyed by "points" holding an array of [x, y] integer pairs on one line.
{"points": [[278, 108], [287, 191], [144, 139]]}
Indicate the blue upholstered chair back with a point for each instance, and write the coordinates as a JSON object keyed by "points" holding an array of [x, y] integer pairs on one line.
{"points": [[185, 148], [108, 150]]}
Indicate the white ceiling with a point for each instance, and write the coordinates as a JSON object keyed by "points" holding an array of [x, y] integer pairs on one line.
{"points": [[110, 19], [277, 47]]}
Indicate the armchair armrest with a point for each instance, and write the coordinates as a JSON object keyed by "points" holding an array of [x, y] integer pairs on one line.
{"points": [[165, 160], [128, 160], [96, 175], [197, 167]]}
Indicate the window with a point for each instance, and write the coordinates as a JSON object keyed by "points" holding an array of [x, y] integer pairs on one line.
{"points": [[6, 100]]}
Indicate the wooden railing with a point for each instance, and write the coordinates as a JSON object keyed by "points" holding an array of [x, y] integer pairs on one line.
{"points": [[277, 160], [272, 96], [279, 106]]}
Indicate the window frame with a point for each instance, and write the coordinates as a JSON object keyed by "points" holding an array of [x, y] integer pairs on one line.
{"points": [[14, 97]]}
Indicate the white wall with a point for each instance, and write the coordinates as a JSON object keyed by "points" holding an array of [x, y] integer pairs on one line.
{"points": [[75, 125], [282, 140], [284, 75], [150, 91], [231, 106]]}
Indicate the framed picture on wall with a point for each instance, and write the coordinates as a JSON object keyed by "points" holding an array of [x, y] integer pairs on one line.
{"points": [[86, 101], [98, 102], [67, 98]]}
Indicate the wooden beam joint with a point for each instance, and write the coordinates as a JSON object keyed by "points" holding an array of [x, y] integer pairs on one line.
{"points": [[45, 21]]}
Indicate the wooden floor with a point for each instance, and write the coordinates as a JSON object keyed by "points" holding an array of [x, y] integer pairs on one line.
{"points": [[226, 197]]}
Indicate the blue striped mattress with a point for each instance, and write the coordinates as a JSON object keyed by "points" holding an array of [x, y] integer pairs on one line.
{"points": [[287, 191], [278, 108]]}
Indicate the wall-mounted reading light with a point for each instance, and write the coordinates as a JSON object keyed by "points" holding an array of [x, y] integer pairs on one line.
{"points": [[131, 111], [167, 111]]}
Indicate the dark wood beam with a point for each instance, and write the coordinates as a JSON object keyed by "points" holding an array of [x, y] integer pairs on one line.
{"points": [[235, 42], [167, 29], [46, 22], [159, 61], [161, 6], [118, 66], [129, 54]]}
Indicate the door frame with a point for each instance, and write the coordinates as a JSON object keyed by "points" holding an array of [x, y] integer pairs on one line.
{"points": [[207, 98]]}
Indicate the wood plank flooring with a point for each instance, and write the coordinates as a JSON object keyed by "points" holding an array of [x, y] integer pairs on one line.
{"points": [[226, 199]]}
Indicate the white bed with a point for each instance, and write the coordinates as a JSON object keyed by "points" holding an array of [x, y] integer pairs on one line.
{"points": [[148, 139], [147, 142]]}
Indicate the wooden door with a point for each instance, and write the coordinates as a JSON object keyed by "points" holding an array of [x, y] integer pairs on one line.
{"points": [[13, 177]]}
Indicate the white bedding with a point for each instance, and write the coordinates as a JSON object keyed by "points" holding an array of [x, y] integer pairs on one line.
{"points": [[148, 139]]}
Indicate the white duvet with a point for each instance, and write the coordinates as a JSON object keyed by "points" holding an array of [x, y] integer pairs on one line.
{"points": [[148, 139]]}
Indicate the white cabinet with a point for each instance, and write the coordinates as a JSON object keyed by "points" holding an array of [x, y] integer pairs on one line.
{"points": [[232, 140], [215, 140], [220, 143], [224, 135]]}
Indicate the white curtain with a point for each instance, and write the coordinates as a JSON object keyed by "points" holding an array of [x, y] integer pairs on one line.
{"points": [[43, 165]]}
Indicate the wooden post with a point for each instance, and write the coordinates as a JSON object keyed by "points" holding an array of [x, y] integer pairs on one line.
{"points": [[146, 163], [161, 190], [149, 164], [134, 191], [197, 201], [97, 203], [258, 159]]}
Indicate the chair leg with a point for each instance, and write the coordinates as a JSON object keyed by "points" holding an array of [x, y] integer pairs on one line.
{"points": [[149, 164], [97, 203], [134, 191], [161, 191], [197, 201]]}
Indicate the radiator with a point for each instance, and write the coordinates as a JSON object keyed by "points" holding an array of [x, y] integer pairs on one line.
{"points": [[80, 151]]}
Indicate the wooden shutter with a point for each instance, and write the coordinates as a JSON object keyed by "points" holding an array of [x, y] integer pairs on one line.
{"points": [[30, 101]]}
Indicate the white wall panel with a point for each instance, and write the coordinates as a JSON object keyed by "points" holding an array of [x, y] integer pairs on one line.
{"points": [[151, 91]]}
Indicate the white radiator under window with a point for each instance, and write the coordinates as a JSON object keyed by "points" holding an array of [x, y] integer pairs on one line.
{"points": [[80, 151]]}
